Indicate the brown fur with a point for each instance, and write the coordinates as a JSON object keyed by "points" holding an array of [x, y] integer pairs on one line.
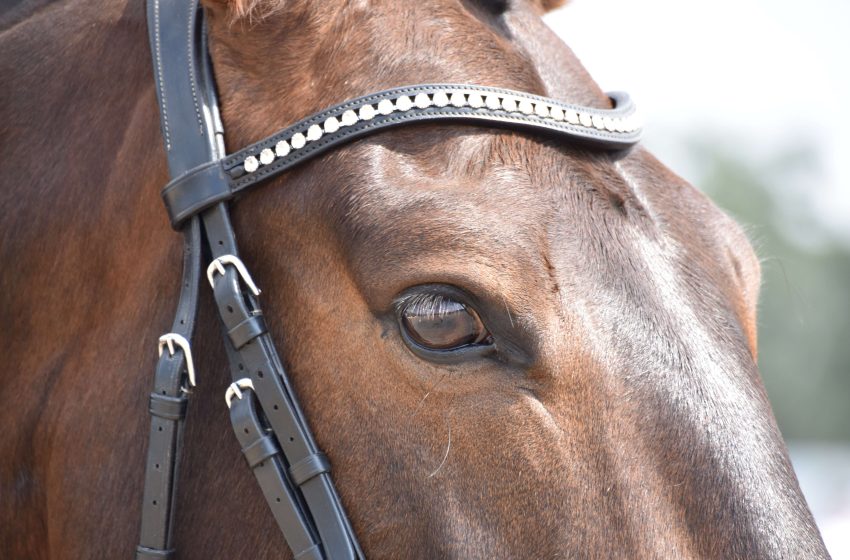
{"points": [[253, 10], [625, 417]]}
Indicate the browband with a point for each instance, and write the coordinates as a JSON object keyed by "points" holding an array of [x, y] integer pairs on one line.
{"points": [[220, 180]]}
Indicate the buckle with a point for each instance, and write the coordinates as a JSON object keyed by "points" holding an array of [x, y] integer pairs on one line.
{"points": [[235, 390], [170, 339], [218, 266]]}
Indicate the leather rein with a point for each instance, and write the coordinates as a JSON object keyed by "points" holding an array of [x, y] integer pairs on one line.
{"points": [[276, 440]]}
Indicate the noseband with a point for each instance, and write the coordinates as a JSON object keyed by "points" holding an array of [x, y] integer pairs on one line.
{"points": [[274, 435]]}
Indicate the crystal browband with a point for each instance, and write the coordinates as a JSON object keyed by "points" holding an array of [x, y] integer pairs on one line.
{"points": [[614, 129]]}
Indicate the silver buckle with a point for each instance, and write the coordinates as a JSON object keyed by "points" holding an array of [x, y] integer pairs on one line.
{"points": [[235, 390], [218, 266], [169, 339]]}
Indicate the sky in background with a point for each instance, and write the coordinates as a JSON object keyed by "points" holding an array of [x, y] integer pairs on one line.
{"points": [[763, 73]]}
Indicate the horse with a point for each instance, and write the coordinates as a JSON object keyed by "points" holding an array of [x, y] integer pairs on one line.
{"points": [[616, 411]]}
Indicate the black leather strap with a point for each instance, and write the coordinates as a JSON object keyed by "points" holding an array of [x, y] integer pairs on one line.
{"points": [[167, 404], [264, 457], [260, 450], [195, 190], [188, 114], [258, 361], [169, 408], [309, 467], [247, 330], [319, 506], [143, 553], [191, 138]]}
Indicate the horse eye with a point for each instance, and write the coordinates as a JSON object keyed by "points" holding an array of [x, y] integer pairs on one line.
{"points": [[436, 322]]}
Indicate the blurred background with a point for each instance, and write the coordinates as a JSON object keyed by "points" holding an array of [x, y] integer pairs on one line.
{"points": [[750, 101]]}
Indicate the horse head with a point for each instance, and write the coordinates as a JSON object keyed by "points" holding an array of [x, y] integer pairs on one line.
{"points": [[508, 346]]}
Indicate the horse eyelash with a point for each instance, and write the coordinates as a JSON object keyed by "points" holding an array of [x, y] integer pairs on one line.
{"points": [[428, 304]]}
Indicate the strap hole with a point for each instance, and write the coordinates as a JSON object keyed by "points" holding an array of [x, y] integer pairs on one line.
{"points": [[220, 242], [247, 431], [277, 500], [156, 466], [291, 438], [154, 502], [159, 429], [182, 321], [241, 367], [260, 373], [230, 309], [275, 407]]}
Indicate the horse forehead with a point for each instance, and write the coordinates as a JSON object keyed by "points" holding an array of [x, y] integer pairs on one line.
{"points": [[467, 192]]}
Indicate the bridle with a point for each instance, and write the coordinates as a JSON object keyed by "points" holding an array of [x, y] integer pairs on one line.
{"points": [[277, 443]]}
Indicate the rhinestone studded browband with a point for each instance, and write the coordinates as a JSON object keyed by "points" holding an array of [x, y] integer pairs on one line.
{"points": [[615, 129]]}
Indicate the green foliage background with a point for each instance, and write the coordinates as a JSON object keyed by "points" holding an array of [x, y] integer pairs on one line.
{"points": [[804, 313]]}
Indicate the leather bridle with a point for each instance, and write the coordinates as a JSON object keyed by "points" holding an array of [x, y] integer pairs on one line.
{"points": [[277, 443]]}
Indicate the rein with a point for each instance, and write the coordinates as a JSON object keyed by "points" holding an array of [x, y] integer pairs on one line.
{"points": [[276, 440]]}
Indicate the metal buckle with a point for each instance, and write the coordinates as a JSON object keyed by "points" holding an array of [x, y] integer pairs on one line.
{"points": [[218, 266], [235, 390], [169, 339]]}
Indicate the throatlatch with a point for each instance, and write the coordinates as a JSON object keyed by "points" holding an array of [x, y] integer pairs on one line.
{"points": [[276, 441]]}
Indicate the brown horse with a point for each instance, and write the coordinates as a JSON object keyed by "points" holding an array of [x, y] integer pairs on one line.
{"points": [[619, 413]]}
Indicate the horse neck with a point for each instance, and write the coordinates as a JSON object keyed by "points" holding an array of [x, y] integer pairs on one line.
{"points": [[90, 188], [87, 239]]}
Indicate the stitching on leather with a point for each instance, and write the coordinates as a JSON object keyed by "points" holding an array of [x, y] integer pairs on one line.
{"points": [[193, 11], [159, 77]]}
